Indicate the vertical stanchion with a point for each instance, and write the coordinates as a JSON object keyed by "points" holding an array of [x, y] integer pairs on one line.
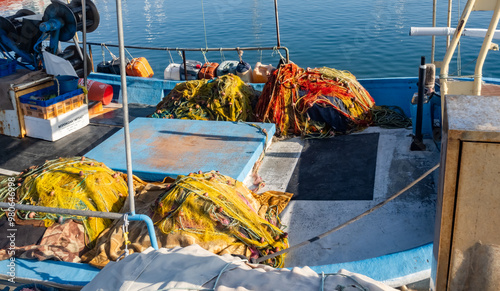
{"points": [[277, 23], [185, 65], [84, 36], [126, 128], [418, 144]]}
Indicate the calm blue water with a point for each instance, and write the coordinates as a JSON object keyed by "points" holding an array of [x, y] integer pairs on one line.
{"points": [[367, 37]]}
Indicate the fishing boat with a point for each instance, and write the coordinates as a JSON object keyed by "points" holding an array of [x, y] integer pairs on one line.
{"points": [[336, 181]]}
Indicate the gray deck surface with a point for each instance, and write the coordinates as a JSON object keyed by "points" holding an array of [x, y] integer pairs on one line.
{"points": [[402, 224]]}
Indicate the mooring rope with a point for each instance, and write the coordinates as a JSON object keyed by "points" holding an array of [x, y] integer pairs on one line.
{"points": [[311, 240]]}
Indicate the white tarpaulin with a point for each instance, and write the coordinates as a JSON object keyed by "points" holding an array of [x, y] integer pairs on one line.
{"points": [[194, 268], [56, 66]]}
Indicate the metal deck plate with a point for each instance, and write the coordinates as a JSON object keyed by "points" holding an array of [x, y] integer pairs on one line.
{"points": [[172, 147]]}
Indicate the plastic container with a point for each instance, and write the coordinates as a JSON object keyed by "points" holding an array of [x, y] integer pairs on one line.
{"points": [[244, 71], [53, 107], [7, 67], [193, 68], [66, 84], [227, 67], [98, 91], [139, 67], [208, 71], [172, 72], [111, 67], [261, 73]]}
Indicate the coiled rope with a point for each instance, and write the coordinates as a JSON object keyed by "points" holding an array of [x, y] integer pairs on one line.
{"points": [[390, 117]]}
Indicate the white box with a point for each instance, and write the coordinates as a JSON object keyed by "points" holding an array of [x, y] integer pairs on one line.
{"points": [[57, 127]]}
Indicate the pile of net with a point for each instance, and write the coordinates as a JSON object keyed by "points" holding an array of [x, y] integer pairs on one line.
{"points": [[71, 183], [215, 210], [315, 102], [226, 98]]}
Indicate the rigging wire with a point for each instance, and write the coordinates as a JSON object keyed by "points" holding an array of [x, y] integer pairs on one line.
{"points": [[204, 24]]}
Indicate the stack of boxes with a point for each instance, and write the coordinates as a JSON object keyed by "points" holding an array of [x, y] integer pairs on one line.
{"points": [[54, 118]]}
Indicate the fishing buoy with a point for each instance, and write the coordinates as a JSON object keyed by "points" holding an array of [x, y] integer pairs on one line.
{"points": [[98, 91]]}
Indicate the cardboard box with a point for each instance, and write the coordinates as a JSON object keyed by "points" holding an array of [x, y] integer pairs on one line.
{"points": [[57, 127]]}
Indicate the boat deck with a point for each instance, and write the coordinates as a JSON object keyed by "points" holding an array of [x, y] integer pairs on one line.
{"points": [[404, 223], [333, 180]]}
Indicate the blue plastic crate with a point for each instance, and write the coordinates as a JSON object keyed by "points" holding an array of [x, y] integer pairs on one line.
{"points": [[7, 67], [48, 91]]}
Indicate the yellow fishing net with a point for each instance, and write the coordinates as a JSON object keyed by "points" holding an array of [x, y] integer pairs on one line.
{"points": [[72, 183], [216, 208], [226, 98]]}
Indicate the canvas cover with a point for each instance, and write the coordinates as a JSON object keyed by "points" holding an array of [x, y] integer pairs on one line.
{"points": [[194, 268]]}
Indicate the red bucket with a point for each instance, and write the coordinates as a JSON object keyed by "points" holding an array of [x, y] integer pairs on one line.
{"points": [[98, 91]]}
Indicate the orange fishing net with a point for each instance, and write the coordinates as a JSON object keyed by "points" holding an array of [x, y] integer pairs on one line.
{"points": [[291, 91]]}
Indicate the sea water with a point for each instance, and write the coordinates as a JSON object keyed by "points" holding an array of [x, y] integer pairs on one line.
{"points": [[370, 38]]}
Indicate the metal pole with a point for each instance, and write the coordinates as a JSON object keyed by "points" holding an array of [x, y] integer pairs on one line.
{"points": [[418, 144], [433, 47], [277, 23], [450, 50], [84, 36], [128, 151], [76, 212], [185, 65], [75, 40], [91, 59], [478, 73], [87, 213], [449, 22], [287, 52]]}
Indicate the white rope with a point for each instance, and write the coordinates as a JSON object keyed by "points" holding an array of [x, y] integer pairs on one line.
{"points": [[128, 53], [126, 251], [205, 289], [276, 50], [222, 57], [240, 54], [180, 54], [171, 58], [112, 55], [103, 54], [204, 25], [204, 53], [58, 86]]}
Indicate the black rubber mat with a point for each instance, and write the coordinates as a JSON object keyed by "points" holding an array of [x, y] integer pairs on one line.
{"points": [[339, 168], [115, 117], [18, 154]]}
